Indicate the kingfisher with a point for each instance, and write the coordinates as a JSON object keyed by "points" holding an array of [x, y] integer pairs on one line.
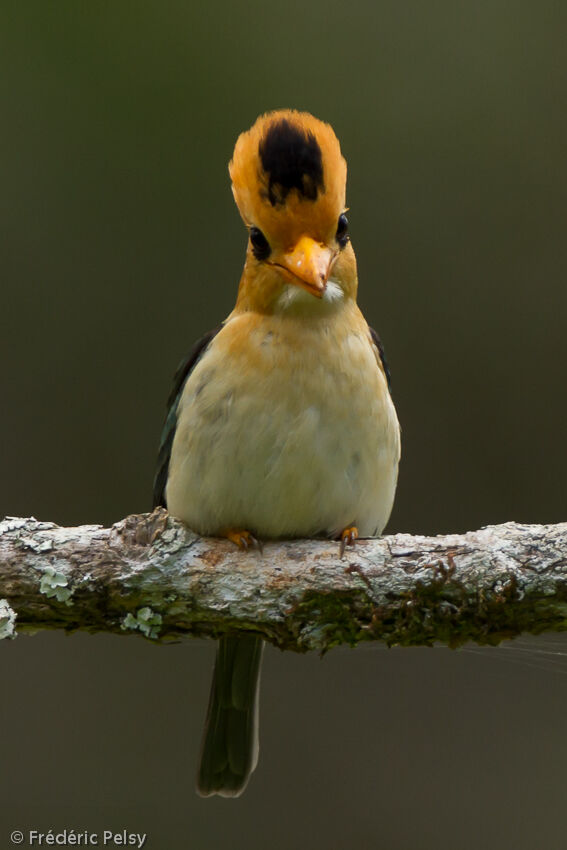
{"points": [[280, 422]]}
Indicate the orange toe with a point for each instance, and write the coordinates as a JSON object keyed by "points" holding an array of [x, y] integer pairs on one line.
{"points": [[243, 539], [348, 536]]}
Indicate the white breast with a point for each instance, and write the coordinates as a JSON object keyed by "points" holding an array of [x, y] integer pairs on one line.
{"points": [[286, 435]]}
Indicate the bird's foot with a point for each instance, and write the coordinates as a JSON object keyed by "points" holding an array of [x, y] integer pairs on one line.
{"points": [[348, 536], [243, 539]]}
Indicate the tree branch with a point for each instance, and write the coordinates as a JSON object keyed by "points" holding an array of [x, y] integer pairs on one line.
{"points": [[150, 575]]}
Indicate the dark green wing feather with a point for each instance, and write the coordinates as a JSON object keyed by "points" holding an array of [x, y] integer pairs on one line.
{"points": [[168, 432], [378, 343]]}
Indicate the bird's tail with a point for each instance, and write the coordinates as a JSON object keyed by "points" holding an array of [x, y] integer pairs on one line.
{"points": [[229, 751]]}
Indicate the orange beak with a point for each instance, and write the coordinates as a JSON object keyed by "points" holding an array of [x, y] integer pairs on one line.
{"points": [[308, 265]]}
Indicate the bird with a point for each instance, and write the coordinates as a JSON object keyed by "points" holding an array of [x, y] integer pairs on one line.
{"points": [[280, 423]]}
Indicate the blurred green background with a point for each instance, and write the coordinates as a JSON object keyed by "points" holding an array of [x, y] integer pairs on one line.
{"points": [[120, 245]]}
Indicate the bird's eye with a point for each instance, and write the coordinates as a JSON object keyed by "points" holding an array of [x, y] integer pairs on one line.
{"points": [[342, 230], [260, 245]]}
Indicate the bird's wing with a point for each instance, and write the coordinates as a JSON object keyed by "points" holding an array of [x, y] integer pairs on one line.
{"points": [[381, 355], [168, 432]]}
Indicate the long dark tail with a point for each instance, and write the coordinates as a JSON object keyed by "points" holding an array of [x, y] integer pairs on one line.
{"points": [[229, 751]]}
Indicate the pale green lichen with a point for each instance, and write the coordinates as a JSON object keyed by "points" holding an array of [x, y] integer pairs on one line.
{"points": [[146, 621], [54, 584], [7, 620]]}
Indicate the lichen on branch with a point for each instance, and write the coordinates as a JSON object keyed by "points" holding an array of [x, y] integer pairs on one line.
{"points": [[149, 575]]}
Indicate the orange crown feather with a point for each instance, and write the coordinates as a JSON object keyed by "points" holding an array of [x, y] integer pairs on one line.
{"points": [[288, 176]]}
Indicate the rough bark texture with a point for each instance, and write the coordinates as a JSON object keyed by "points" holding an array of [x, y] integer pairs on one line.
{"points": [[150, 575]]}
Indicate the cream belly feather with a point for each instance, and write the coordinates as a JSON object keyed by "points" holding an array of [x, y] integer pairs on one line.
{"points": [[291, 433]]}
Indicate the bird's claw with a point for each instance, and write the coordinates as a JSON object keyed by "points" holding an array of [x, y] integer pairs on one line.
{"points": [[348, 537], [244, 539]]}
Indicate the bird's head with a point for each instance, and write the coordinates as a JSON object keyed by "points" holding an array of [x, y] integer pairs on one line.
{"points": [[288, 179]]}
